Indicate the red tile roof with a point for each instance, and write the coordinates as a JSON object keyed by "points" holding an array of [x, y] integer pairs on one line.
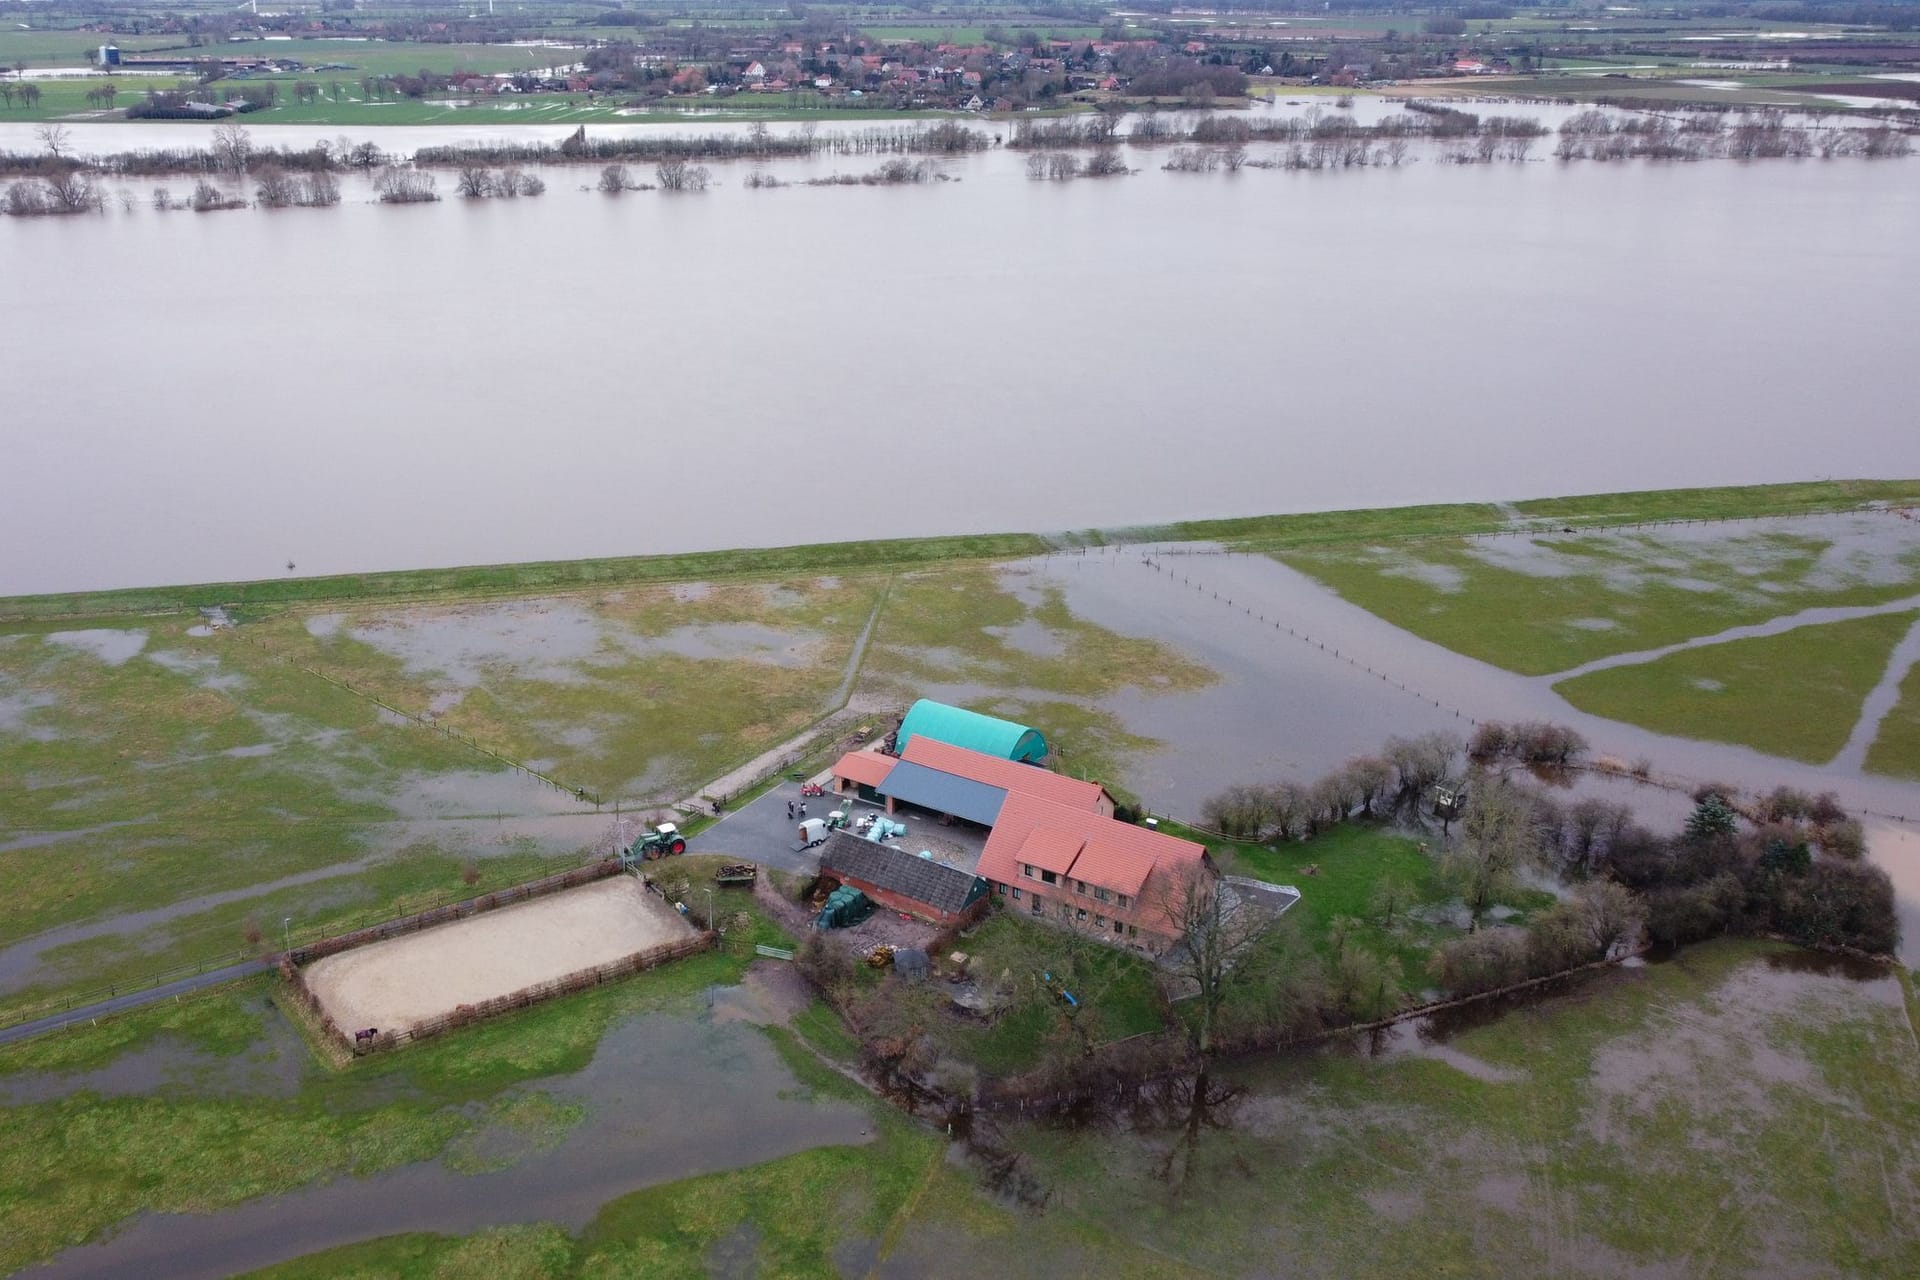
{"points": [[1009, 775], [1050, 850], [1111, 854], [1114, 866], [869, 768]]}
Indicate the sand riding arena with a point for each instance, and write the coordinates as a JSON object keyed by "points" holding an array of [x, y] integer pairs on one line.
{"points": [[487, 958]]}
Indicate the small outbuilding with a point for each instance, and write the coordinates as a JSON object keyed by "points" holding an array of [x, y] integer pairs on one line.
{"points": [[956, 726], [902, 881]]}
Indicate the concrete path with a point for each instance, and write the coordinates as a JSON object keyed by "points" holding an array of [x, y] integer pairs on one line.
{"points": [[133, 1000]]}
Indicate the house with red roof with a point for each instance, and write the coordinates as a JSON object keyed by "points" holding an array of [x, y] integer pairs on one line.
{"points": [[1109, 879]]}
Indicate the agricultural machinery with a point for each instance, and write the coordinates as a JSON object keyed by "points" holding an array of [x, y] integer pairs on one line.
{"points": [[664, 841]]}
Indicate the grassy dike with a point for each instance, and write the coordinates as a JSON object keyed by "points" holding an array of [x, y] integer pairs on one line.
{"points": [[1253, 533]]}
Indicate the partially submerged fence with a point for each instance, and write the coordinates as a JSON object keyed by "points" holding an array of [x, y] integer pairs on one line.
{"points": [[454, 911]]}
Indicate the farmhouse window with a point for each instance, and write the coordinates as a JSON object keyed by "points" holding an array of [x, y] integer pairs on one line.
{"points": [[1099, 922], [1016, 893], [1102, 894], [1132, 932], [1080, 915], [1039, 904], [1118, 927], [1047, 877], [1026, 869], [1125, 901]]}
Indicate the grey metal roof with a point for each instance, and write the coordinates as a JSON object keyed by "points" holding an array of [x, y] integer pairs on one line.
{"points": [[885, 866], [944, 793]]}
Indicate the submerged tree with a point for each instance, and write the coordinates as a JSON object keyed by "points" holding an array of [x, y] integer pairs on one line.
{"points": [[1499, 833]]}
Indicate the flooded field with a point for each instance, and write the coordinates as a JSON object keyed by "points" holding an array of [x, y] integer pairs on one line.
{"points": [[666, 1097], [490, 459], [1651, 1121]]}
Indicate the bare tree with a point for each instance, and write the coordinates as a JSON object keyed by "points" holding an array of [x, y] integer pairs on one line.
{"points": [[476, 182], [232, 147], [54, 137], [1218, 928], [275, 189]]}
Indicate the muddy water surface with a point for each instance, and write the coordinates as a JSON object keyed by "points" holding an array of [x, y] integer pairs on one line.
{"points": [[838, 426]]}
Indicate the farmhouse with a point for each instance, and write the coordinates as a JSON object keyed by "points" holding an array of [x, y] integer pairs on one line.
{"points": [[1122, 883], [1054, 849], [901, 881]]}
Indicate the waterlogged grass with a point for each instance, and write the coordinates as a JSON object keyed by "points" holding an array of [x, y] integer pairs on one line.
{"points": [[641, 694], [1896, 749], [72, 1167], [194, 765], [540, 576], [1551, 602], [1796, 694], [1709, 1116], [415, 879]]}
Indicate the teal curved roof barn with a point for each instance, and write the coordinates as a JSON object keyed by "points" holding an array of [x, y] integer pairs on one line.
{"points": [[958, 727]]}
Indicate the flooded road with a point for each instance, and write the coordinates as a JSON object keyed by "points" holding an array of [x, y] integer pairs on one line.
{"points": [[374, 387], [666, 1098]]}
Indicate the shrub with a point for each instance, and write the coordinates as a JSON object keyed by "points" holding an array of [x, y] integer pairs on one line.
{"points": [[1483, 961]]}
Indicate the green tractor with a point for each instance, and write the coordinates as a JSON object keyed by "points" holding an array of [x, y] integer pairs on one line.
{"points": [[664, 841]]}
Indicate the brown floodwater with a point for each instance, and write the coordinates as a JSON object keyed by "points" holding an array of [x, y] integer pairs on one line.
{"points": [[376, 387]]}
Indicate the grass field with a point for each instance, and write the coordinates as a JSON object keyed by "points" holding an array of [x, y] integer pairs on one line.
{"points": [[1795, 695], [1724, 1113]]}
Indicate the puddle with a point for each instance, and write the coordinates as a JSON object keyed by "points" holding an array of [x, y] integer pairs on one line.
{"points": [[111, 645], [771, 993], [1681, 1055], [666, 1098], [690, 592], [474, 793], [16, 709], [324, 626], [729, 640], [534, 640], [1030, 636], [271, 1067], [40, 839], [1427, 1038]]}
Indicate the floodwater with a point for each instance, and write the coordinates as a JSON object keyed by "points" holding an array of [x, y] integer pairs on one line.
{"points": [[1308, 680], [666, 1098], [759, 367]]}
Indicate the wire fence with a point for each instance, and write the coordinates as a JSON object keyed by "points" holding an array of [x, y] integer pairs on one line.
{"points": [[113, 990]]}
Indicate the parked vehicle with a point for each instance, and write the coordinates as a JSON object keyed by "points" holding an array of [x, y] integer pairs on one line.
{"points": [[813, 832], [812, 789]]}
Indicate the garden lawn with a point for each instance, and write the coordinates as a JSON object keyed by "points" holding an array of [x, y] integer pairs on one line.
{"points": [[1795, 695], [1339, 874]]}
